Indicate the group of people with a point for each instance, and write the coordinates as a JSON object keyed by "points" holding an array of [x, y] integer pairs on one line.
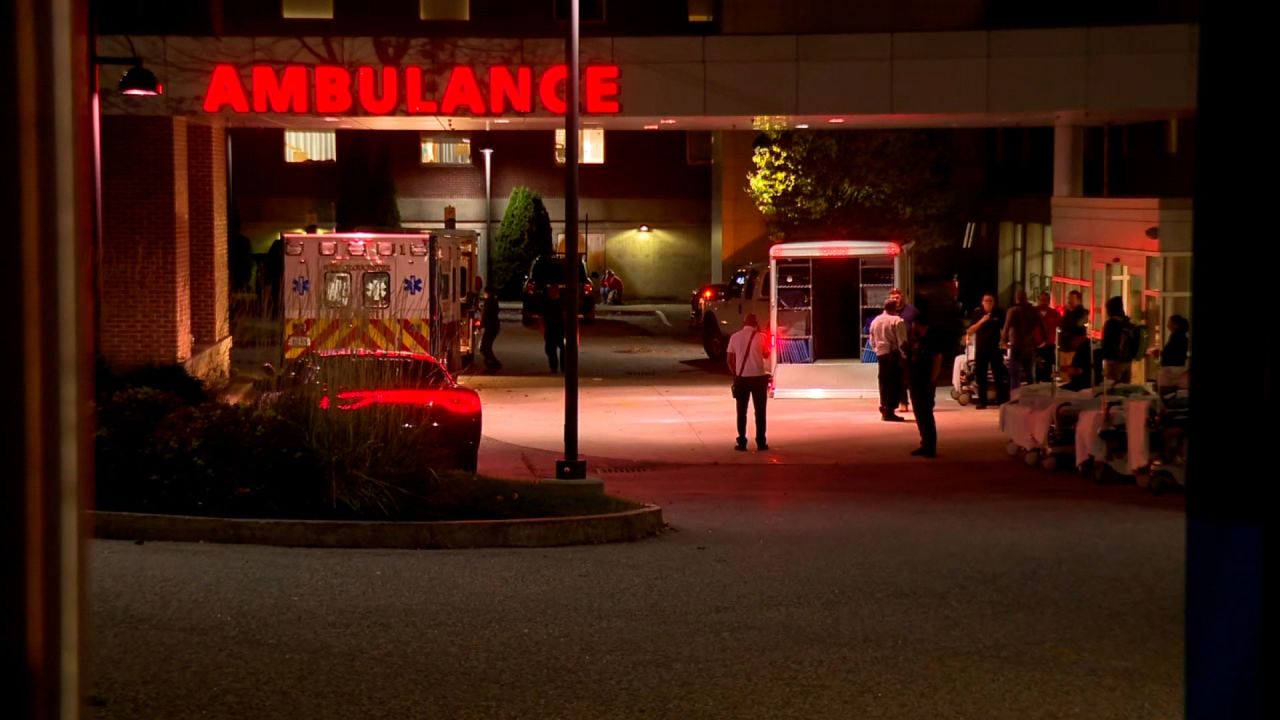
{"points": [[551, 318], [552, 321], [610, 287], [1027, 334], [909, 348]]}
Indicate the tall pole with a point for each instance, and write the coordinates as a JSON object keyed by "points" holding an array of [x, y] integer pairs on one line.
{"points": [[46, 139], [488, 215], [571, 467]]}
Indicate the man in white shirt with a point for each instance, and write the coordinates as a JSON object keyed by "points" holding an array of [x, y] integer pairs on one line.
{"points": [[747, 352], [889, 339]]}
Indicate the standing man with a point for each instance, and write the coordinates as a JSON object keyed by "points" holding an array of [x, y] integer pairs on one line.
{"points": [[553, 329], [984, 333], [889, 340], [1022, 334], [924, 362], [490, 324], [746, 355], [1046, 354], [1075, 323], [909, 313], [1119, 343]]}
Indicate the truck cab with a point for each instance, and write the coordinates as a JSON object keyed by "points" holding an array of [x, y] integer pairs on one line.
{"points": [[747, 291]]}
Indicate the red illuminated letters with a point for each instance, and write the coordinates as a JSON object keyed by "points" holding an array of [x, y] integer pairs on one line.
{"points": [[383, 90], [225, 89], [333, 89], [280, 94], [462, 90], [417, 105], [601, 91], [549, 89], [506, 89], [390, 95]]}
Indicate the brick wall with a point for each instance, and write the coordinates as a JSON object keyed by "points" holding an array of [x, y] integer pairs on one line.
{"points": [[207, 192], [146, 313]]}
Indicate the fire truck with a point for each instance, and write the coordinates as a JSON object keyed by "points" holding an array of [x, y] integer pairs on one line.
{"points": [[407, 291]]}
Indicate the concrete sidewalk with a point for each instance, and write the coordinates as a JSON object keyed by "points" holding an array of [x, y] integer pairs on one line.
{"points": [[694, 424]]}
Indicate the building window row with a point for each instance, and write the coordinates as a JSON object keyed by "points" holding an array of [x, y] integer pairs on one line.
{"points": [[700, 11], [303, 146]]}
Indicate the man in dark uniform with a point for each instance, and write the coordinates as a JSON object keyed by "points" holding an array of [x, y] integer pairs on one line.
{"points": [[984, 333], [924, 358], [553, 329], [490, 324]]}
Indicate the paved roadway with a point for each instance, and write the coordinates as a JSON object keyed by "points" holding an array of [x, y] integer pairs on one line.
{"points": [[833, 577]]}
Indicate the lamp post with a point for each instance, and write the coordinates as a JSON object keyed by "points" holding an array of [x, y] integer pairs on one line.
{"points": [[571, 467], [488, 215]]}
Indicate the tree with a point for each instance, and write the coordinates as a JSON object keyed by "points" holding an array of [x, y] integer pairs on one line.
{"points": [[861, 184], [524, 234]]}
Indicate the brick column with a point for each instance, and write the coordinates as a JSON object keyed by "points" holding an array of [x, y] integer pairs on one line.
{"points": [[207, 196], [146, 277]]}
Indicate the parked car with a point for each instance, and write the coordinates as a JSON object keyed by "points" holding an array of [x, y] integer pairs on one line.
{"points": [[413, 390], [698, 301], [548, 270]]}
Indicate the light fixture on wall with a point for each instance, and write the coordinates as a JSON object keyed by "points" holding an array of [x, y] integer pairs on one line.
{"points": [[645, 229], [137, 80]]}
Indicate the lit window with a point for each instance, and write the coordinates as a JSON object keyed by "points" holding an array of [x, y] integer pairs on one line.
{"points": [[337, 289], [307, 9], [310, 146], [444, 9], [701, 10], [590, 146], [377, 289], [445, 150]]}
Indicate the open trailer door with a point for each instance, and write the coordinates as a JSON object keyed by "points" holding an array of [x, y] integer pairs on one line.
{"points": [[824, 296]]}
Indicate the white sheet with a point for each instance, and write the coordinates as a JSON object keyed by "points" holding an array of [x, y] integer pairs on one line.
{"points": [[1027, 420]]}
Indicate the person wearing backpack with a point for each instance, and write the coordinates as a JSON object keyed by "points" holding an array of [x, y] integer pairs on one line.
{"points": [[1119, 343]]}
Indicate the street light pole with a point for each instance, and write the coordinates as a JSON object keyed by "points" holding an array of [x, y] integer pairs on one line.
{"points": [[571, 467], [488, 215]]}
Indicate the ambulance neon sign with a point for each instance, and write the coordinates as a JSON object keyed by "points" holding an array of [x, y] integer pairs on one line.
{"points": [[379, 90]]}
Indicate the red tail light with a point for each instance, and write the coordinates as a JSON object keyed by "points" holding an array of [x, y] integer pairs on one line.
{"points": [[529, 288], [462, 402], [586, 288], [707, 294]]}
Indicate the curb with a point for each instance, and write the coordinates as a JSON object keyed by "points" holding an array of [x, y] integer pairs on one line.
{"points": [[626, 526]]}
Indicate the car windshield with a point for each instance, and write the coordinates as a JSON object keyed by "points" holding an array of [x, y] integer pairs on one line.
{"points": [[346, 372]]}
